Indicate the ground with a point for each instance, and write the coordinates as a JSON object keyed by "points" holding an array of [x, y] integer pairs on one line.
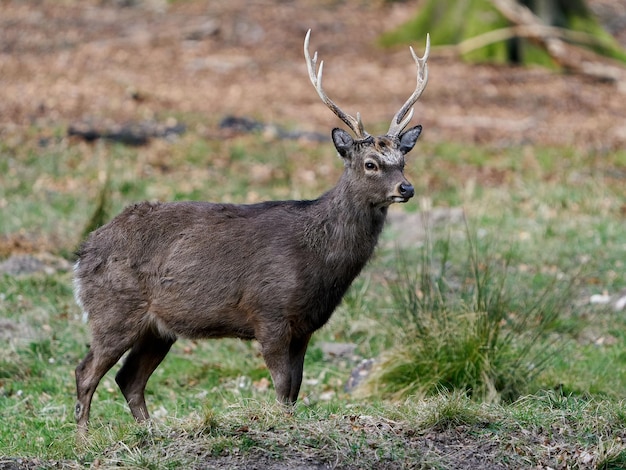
{"points": [[107, 61], [67, 62]]}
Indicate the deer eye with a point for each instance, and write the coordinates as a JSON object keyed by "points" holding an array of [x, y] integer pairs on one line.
{"points": [[371, 166]]}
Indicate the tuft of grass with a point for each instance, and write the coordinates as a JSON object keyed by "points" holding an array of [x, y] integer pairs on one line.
{"points": [[450, 410], [474, 329], [102, 212]]}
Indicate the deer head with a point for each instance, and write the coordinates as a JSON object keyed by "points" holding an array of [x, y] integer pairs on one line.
{"points": [[375, 157]]}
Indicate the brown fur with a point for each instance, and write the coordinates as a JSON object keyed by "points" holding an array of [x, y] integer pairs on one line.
{"points": [[273, 271]]}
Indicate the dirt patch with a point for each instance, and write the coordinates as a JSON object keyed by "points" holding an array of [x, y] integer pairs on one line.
{"points": [[45, 263], [67, 62]]}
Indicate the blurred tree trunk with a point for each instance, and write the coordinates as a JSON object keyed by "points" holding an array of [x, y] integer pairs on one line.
{"points": [[552, 13], [508, 31]]}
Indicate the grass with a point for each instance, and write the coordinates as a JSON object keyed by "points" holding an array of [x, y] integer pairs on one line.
{"points": [[473, 330], [546, 232]]}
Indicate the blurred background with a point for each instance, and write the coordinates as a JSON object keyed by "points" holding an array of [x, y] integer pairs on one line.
{"points": [[112, 62]]}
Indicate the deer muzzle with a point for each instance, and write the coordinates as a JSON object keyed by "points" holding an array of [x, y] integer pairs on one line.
{"points": [[403, 192]]}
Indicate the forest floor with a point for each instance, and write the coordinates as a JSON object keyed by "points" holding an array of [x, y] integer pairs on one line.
{"points": [[63, 63]]}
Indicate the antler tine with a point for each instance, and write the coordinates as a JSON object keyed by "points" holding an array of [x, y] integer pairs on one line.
{"points": [[315, 75], [399, 121]]}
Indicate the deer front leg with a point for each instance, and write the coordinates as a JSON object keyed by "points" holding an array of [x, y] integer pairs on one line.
{"points": [[284, 358], [297, 351]]}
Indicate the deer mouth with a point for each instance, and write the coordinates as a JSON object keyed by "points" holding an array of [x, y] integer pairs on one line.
{"points": [[400, 199]]}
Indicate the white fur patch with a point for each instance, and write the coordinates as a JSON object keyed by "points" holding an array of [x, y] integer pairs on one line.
{"points": [[77, 293]]}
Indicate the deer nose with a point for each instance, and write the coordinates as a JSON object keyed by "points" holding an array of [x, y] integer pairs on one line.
{"points": [[406, 190]]}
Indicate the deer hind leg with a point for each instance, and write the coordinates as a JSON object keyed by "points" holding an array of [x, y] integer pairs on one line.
{"points": [[89, 372], [113, 321], [143, 359]]}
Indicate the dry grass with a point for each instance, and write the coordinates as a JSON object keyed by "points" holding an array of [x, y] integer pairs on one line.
{"points": [[447, 432]]}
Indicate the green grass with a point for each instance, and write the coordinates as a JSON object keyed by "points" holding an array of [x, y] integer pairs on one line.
{"points": [[545, 232], [474, 329]]}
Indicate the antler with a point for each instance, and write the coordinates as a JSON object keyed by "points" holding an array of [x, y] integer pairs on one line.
{"points": [[316, 79], [399, 122]]}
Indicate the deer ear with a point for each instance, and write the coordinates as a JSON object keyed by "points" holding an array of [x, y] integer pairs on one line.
{"points": [[408, 139], [342, 140]]}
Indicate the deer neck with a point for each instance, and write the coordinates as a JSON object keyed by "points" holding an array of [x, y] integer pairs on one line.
{"points": [[344, 229]]}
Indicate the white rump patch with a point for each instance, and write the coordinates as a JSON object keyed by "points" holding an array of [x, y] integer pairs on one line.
{"points": [[77, 293]]}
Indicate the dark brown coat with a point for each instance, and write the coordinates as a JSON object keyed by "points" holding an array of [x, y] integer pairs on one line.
{"points": [[273, 271]]}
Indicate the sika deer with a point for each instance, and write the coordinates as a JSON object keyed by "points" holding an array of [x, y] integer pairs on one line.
{"points": [[273, 271]]}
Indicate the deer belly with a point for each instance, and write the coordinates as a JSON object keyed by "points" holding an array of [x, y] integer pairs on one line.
{"points": [[201, 309], [195, 321]]}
